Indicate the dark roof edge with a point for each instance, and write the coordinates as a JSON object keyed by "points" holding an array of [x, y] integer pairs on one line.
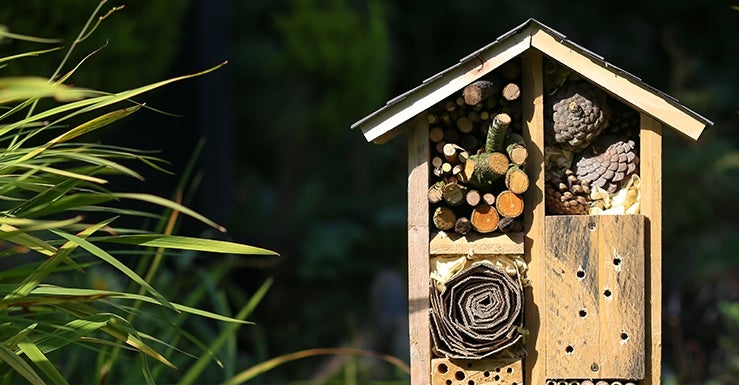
{"points": [[562, 40]]}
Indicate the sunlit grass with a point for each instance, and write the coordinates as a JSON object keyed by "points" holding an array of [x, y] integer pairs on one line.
{"points": [[59, 223]]}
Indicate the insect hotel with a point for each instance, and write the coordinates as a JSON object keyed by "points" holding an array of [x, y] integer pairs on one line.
{"points": [[534, 218]]}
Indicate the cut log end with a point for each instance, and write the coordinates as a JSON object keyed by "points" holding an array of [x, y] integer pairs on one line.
{"points": [[477, 92], [453, 194], [462, 226], [511, 92], [516, 180], [444, 218], [518, 154], [509, 204], [484, 219]]}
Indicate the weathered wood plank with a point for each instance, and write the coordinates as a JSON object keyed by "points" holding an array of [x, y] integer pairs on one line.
{"points": [[444, 243], [596, 303], [572, 313], [418, 251], [465, 372], [532, 93], [651, 207], [621, 270]]}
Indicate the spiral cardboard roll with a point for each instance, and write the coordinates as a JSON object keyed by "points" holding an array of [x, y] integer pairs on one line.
{"points": [[478, 314]]}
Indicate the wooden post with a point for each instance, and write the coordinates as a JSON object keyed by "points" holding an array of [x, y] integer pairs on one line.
{"points": [[418, 250], [533, 131], [651, 202]]}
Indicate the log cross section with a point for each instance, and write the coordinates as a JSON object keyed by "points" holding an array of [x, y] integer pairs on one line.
{"points": [[595, 296]]}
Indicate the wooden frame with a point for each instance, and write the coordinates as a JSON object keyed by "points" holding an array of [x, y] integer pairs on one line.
{"points": [[531, 41]]}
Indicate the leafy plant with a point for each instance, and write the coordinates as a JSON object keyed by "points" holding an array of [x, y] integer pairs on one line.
{"points": [[60, 225]]}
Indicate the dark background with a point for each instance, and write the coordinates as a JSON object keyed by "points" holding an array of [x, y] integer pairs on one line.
{"points": [[282, 169]]}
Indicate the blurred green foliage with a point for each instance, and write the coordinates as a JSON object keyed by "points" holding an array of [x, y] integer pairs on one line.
{"points": [[145, 37]]}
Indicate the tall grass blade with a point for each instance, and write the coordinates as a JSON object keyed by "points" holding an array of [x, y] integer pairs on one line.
{"points": [[27, 54], [196, 369], [95, 103], [72, 332], [44, 269], [93, 293], [184, 243], [42, 362], [20, 366], [27, 87], [12, 234], [105, 256], [270, 364], [171, 205], [89, 126]]}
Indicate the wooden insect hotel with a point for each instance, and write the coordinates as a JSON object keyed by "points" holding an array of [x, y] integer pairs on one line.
{"points": [[534, 215]]}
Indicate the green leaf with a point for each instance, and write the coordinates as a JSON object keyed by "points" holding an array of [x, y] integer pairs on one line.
{"points": [[26, 225], [22, 88], [117, 327], [20, 366], [105, 256], [25, 54], [91, 125], [42, 362], [67, 202], [46, 197], [14, 235], [195, 370], [185, 243], [43, 270], [74, 292], [60, 172], [71, 332], [171, 205], [272, 363], [91, 104]]}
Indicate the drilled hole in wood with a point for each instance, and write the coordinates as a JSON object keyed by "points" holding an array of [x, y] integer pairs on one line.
{"points": [[607, 293], [616, 261], [496, 378], [514, 383], [448, 382], [592, 226], [470, 382], [459, 375], [583, 313], [550, 382], [509, 370], [624, 336], [562, 383], [497, 370], [580, 274], [443, 368], [594, 367], [486, 373], [569, 349]]}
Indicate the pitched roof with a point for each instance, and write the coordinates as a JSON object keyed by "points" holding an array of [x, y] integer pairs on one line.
{"points": [[387, 121]]}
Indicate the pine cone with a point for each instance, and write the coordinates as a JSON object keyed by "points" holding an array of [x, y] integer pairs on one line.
{"points": [[608, 163], [569, 197], [580, 113]]}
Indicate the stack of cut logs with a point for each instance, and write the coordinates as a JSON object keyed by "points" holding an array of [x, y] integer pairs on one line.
{"points": [[478, 160]]}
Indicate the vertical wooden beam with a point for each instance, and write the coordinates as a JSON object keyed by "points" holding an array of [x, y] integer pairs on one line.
{"points": [[533, 131], [651, 206], [418, 251]]}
